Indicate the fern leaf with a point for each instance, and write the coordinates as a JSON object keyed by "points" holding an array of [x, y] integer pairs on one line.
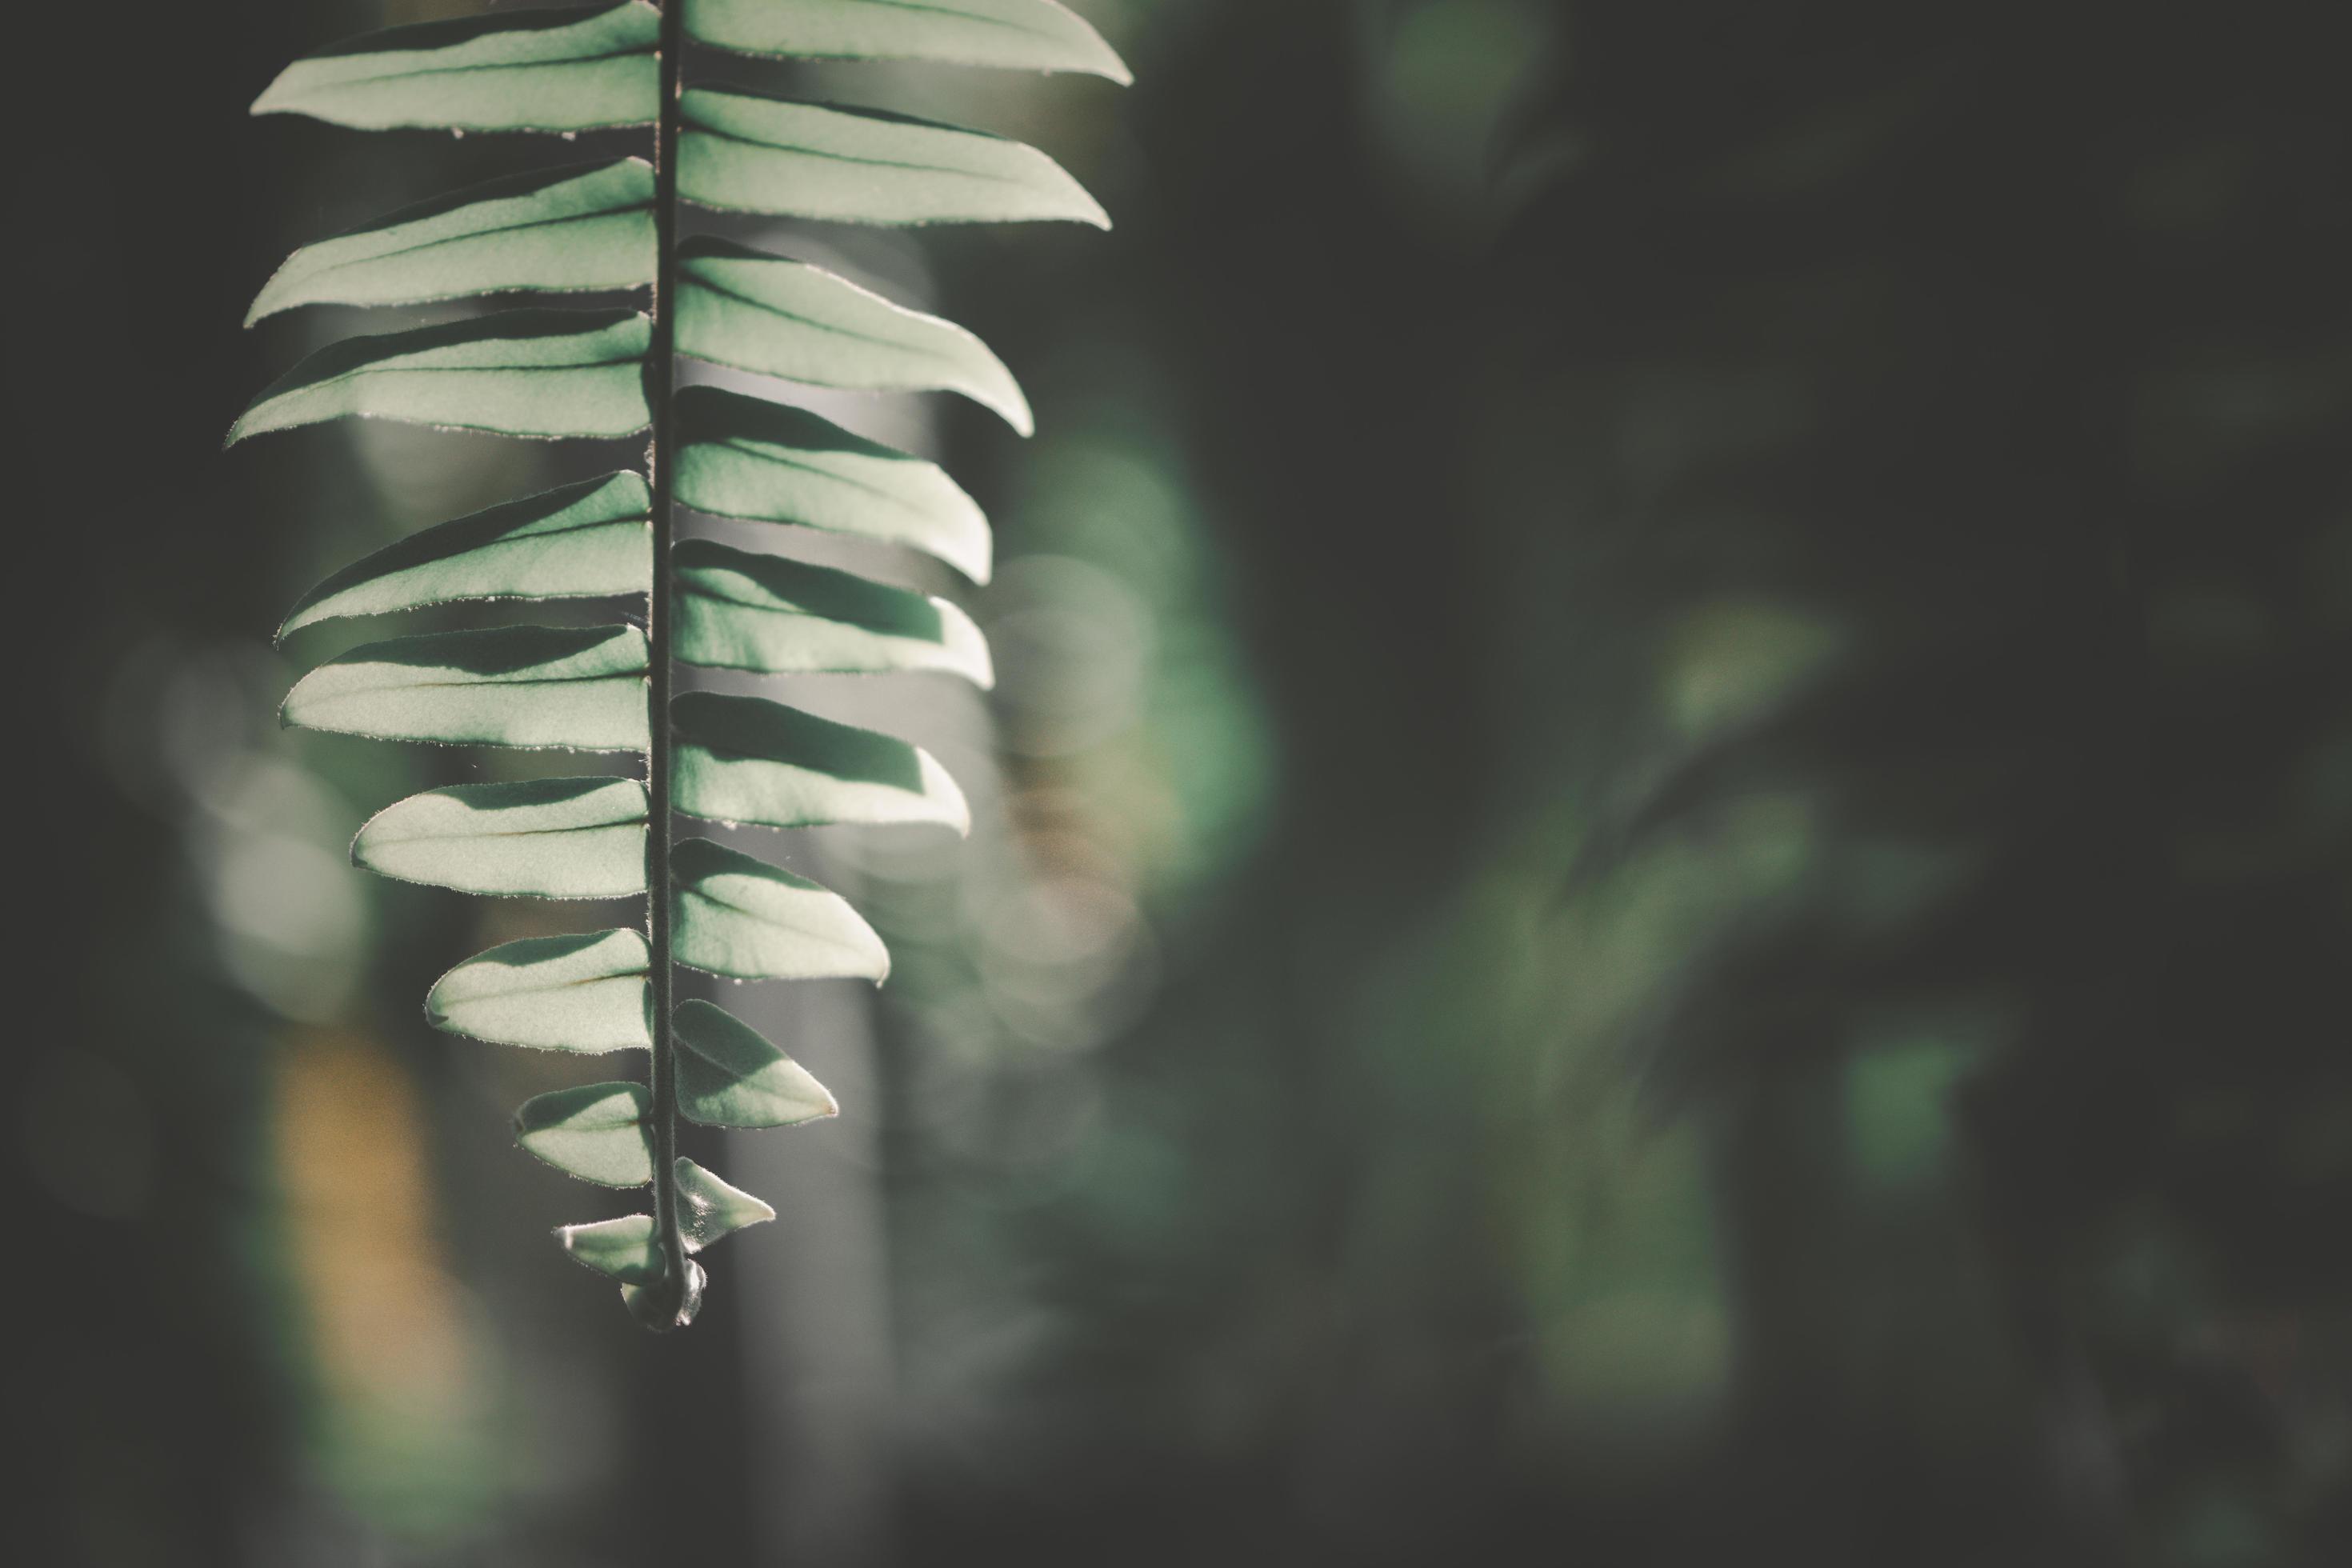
{"points": [[774, 316], [784, 158], [746, 758], [547, 374], [556, 231], [625, 1247], [584, 993], [604, 375], [581, 542], [740, 610], [728, 1076], [761, 462], [740, 918], [516, 70], [1021, 35], [598, 1132], [531, 687], [547, 838]]}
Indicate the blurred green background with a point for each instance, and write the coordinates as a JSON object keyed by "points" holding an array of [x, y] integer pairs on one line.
{"points": [[1665, 868]]}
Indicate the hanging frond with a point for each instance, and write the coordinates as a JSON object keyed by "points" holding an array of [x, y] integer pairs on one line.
{"points": [[552, 373]]}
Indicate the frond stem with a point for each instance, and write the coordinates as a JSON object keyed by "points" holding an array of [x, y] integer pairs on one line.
{"points": [[661, 377]]}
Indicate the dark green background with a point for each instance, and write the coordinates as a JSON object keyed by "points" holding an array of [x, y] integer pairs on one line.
{"points": [[1675, 878]]}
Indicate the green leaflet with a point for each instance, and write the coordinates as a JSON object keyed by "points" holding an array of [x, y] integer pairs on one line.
{"points": [[515, 70], [710, 1211], [715, 1211], [741, 918], [584, 993], [623, 1248], [536, 688], [789, 158], [596, 1133], [745, 759], [547, 373], [768, 314], [730, 1077], [583, 541], [739, 610], [569, 230], [1021, 35], [547, 838], [765, 463]]}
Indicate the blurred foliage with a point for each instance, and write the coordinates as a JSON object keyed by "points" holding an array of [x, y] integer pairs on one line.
{"points": [[1670, 873]]}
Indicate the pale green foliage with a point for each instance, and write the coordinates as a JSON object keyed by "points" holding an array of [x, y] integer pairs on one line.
{"points": [[549, 232], [527, 373], [742, 918], [767, 313], [1026, 35], [612, 373], [743, 759], [764, 462], [534, 688], [739, 610], [596, 1133], [547, 838], [582, 542], [755, 154], [581, 993], [528, 70]]}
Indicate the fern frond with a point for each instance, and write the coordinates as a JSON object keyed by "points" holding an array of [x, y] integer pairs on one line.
{"points": [[564, 374]]}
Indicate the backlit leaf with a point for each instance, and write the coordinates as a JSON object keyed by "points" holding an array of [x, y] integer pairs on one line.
{"points": [[728, 1076], [596, 1133], [583, 541], [511, 70], [759, 461], [1021, 35], [741, 918], [736, 610], [623, 1248], [789, 158], [535, 687], [585, 993], [744, 307], [547, 838], [709, 1212], [745, 759], [547, 373], [565, 230]]}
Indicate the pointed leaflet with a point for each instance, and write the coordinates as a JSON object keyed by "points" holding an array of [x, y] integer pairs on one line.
{"points": [[765, 463], [744, 307], [515, 71], [537, 688], [736, 610], [730, 1077], [741, 918], [596, 1133], [569, 230], [745, 759], [1019, 35], [547, 838], [585, 993], [709, 1211], [547, 374], [789, 158], [582, 542]]}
